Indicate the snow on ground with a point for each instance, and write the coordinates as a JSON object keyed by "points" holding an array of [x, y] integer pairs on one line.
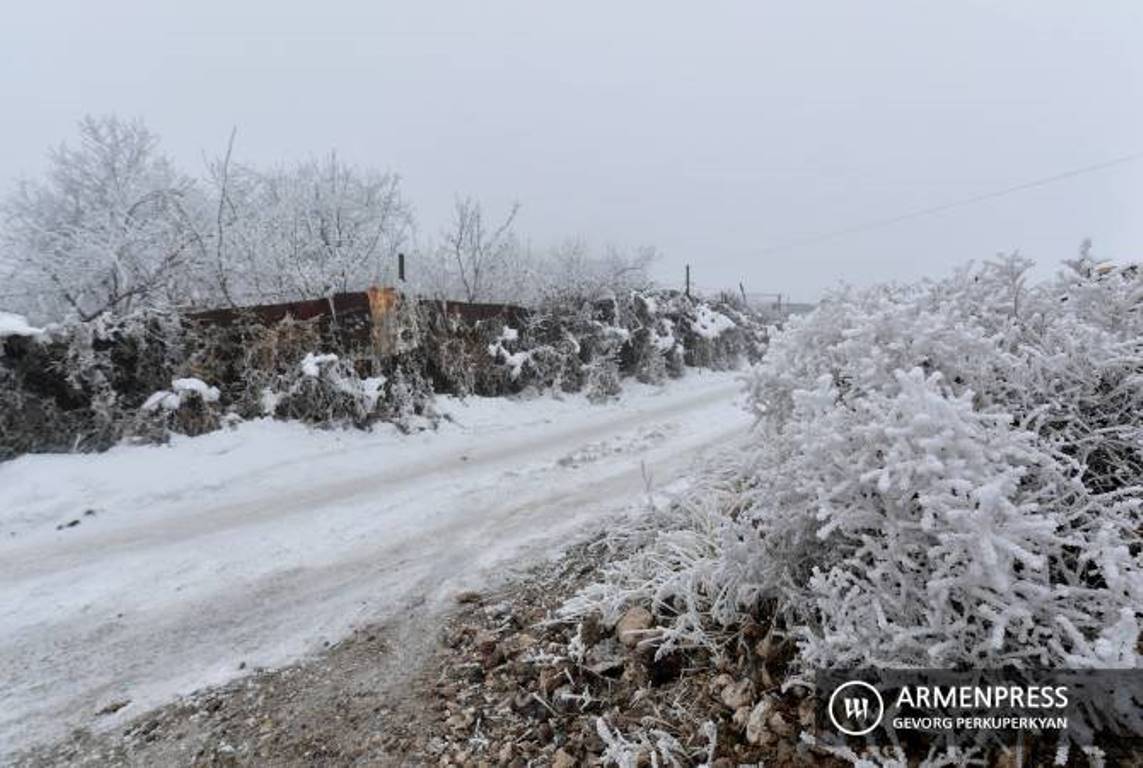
{"points": [[147, 572]]}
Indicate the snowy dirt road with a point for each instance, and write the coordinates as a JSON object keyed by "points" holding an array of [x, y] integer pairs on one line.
{"points": [[144, 573]]}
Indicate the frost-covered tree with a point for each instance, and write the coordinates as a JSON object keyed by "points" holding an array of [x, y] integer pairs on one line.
{"points": [[315, 229], [571, 272], [479, 255], [110, 229], [505, 270]]}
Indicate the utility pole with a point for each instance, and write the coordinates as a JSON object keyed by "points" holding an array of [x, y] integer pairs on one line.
{"points": [[688, 291], [401, 267]]}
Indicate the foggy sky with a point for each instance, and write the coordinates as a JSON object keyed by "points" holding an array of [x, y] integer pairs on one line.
{"points": [[711, 130]]}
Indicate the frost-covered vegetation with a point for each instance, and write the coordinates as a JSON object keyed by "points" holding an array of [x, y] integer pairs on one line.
{"points": [[115, 250], [947, 474], [86, 385], [114, 227]]}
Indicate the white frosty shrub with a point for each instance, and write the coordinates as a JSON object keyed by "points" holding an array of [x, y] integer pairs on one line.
{"points": [[407, 401], [189, 407], [942, 475], [948, 474], [940, 536], [503, 352], [325, 389], [650, 746], [691, 563], [79, 385], [603, 379], [895, 757], [181, 391]]}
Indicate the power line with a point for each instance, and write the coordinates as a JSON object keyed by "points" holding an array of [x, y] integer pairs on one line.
{"points": [[890, 221]]}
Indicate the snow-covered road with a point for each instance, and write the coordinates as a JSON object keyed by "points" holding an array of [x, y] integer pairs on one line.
{"points": [[148, 572]]}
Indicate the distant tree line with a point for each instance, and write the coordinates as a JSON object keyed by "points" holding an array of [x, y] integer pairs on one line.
{"points": [[114, 226]]}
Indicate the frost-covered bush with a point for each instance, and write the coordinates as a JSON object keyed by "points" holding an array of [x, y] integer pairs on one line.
{"points": [[937, 534], [325, 389], [189, 407], [286, 370], [83, 386], [504, 351], [720, 334], [574, 344], [246, 359], [458, 357], [408, 401], [603, 382], [653, 352], [570, 343], [942, 475], [79, 385], [692, 564]]}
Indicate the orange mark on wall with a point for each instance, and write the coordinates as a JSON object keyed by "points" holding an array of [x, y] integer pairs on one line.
{"points": [[382, 300], [383, 312]]}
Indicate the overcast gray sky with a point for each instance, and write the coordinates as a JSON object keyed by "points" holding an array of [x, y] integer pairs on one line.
{"points": [[712, 130]]}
